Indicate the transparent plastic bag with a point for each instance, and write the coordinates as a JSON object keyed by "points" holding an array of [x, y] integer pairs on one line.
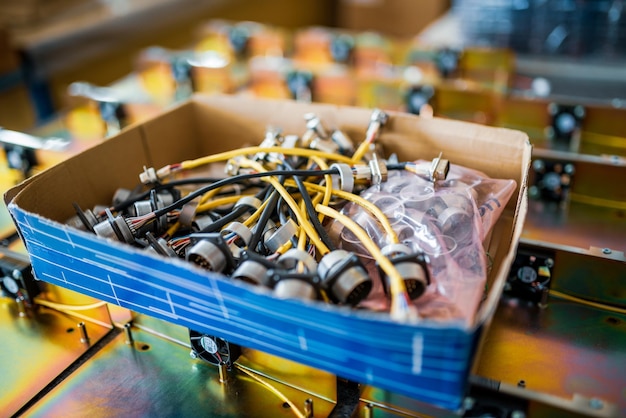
{"points": [[447, 220]]}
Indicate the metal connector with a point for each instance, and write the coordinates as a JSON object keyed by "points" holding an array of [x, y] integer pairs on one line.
{"points": [[439, 168], [344, 277], [210, 251], [413, 267], [378, 170], [314, 124], [378, 119]]}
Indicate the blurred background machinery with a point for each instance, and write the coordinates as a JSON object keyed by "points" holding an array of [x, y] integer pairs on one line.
{"points": [[552, 68]]}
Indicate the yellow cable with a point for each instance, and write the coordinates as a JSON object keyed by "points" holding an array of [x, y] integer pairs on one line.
{"points": [[302, 235], [300, 152], [172, 229], [396, 283], [369, 206], [302, 220], [575, 299], [272, 389], [208, 196], [284, 248], [216, 203], [327, 178], [64, 307], [360, 152]]}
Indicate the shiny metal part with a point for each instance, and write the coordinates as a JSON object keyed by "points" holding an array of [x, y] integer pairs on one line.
{"points": [[252, 272], [281, 236], [21, 307], [207, 255], [343, 181], [114, 228], [84, 336], [288, 288], [43, 345], [223, 371], [378, 119], [242, 236], [411, 266], [20, 139], [314, 124], [298, 260], [309, 412], [346, 146], [344, 277], [378, 170], [439, 168], [128, 332]]}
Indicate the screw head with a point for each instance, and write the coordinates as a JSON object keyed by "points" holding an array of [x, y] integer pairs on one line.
{"points": [[193, 354], [16, 274], [606, 251], [468, 403], [595, 403]]}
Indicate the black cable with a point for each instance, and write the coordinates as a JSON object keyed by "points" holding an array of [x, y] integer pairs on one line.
{"points": [[236, 179], [264, 192], [310, 209], [185, 182], [226, 219], [159, 187], [273, 197], [265, 216], [398, 166]]}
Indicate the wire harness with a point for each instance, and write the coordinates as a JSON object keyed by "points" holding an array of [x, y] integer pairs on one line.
{"points": [[283, 218]]}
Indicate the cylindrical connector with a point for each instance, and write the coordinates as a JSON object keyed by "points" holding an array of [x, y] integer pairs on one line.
{"points": [[84, 219], [345, 144], [300, 270], [159, 246], [115, 228], [291, 288], [344, 277], [207, 255], [345, 179], [411, 266], [242, 236], [281, 236], [252, 272]]}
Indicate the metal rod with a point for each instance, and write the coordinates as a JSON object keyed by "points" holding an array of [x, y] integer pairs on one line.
{"points": [[84, 337], [129, 333], [368, 411], [223, 369], [21, 306], [308, 408]]}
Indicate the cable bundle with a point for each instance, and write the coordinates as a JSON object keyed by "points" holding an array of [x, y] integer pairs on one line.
{"points": [[270, 221]]}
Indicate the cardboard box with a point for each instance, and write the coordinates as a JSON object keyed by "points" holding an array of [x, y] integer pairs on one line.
{"points": [[399, 18], [429, 361]]}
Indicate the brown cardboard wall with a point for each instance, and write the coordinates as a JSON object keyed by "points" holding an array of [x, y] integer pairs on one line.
{"points": [[399, 18]]}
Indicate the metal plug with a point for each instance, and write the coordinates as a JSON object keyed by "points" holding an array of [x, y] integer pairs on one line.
{"points": [[378, 119], [413, 267], [210, 251], [343, 276]]}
